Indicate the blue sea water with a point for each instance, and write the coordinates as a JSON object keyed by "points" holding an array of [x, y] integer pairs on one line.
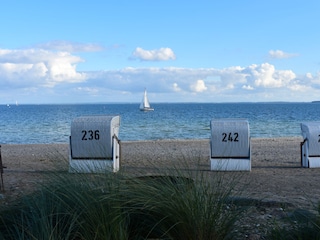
{"points": [[51, 123]]}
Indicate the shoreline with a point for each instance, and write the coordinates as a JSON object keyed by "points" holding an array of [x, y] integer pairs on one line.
{"points": [[164, 140]]}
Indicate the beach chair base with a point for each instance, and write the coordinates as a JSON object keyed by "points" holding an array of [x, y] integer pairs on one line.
{"points": [[77, 165], [313, 162], [230, 164], [93, 166]]}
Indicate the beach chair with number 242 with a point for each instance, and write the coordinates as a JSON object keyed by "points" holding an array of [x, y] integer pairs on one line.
{"points": [[230, 148]]}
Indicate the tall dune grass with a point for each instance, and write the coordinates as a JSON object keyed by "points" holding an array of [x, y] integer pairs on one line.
{"points": [[303, 224], [168, 205]]}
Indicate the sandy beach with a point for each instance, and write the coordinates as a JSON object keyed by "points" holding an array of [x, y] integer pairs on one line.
{"points": [[277, 182], [276, 173]]}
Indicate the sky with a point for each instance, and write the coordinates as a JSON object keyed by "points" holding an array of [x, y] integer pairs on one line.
{"points": [[180, 51]]}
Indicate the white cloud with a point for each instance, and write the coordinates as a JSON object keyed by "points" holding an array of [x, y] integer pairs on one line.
{"points": [[278, 54], [66, 46], [300, 88], [314, 79], [247, 87], [38, 67], [198, 86], [230, 86], [176, 87], [88, 90], [162, 54], [265, 75]]}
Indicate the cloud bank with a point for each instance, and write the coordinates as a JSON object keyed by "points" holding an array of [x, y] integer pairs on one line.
{"points": [[37, 67], [39, 75]]}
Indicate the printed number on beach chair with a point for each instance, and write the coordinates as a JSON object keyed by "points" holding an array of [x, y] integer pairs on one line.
{"points": [[230, 145], [310, 147], [94, 144]]}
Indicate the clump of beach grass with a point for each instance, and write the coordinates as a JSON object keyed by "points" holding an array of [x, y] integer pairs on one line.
{"points": [[302, 224], [68, 206], [169, 204], [177, 208]]}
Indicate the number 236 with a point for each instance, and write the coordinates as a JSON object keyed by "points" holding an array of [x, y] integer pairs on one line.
{"points": [[90, 135]]}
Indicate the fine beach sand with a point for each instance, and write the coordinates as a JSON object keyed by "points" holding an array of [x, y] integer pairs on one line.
{"points": [[277, 184], [276, 173]]}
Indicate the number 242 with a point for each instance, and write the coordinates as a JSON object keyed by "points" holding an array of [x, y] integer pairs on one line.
{"points": [[230, 137]]}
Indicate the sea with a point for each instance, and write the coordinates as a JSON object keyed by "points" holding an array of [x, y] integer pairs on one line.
{"points": [[50, 123]]}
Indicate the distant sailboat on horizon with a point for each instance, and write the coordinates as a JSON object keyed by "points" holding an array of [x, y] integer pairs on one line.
{"points": [[145, 105]]}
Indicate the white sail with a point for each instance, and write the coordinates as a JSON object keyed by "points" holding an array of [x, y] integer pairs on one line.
{"points": [[145, 105]]}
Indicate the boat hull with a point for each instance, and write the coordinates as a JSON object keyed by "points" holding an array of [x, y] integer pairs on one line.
{"points": [[146, 109]]}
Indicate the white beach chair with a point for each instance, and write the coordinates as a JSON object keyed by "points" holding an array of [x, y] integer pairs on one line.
{"points": [[94, 144], [310, 147], [230, 148]]}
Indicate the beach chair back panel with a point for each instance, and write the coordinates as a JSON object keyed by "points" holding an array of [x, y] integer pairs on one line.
{"points": [[230, 138], [92, 136], [311, 132]]}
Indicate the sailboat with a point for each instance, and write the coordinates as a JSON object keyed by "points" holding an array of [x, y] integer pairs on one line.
{"points": [[145, 105]]}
